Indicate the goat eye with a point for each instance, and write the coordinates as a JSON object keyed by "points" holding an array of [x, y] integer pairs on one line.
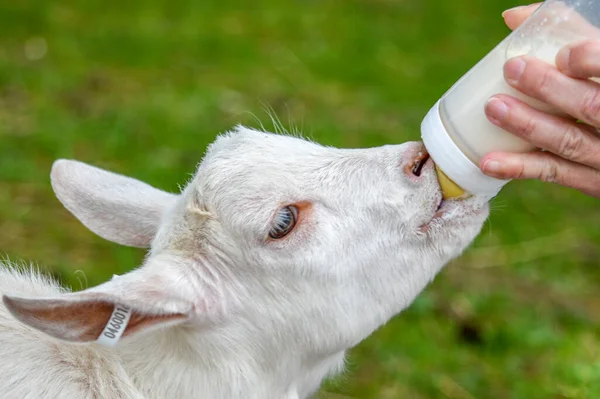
{"points": [[284, 222]]}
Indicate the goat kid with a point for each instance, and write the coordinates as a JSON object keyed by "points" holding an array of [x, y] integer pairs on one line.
{"points": [[278, 256]]}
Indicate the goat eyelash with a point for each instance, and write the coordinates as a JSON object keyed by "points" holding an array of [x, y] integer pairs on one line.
{"points": [[284, 222]]}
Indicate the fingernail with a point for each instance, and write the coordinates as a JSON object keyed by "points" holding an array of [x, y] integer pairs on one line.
{"points": [[512, 9], [513, 70], [492, 167], [496, 110], [562, 59]]}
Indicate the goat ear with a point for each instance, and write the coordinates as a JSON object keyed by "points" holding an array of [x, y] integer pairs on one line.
{"points": [[105, 313], [115, 207]]}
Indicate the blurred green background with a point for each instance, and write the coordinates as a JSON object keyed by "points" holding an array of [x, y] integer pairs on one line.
{"points": [[141, 87]]}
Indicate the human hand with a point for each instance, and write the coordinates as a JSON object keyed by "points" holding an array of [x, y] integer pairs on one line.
{"points": [[572, 150]]}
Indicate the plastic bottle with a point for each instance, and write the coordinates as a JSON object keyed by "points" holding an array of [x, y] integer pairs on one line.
{"points": [[456, 132]]}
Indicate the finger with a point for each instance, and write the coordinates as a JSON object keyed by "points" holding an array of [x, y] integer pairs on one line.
{"points": [[561, 136], [545, 167], [580, 60], [540, 80], [516, 16]]}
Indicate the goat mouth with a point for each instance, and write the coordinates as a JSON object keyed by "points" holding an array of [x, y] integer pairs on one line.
{"points": [[439, 206], [440, 210]]}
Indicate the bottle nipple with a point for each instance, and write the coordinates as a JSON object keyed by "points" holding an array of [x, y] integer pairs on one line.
{"points": [[450, 190]]}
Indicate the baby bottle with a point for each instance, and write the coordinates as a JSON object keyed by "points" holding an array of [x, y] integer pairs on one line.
{"points": [[456, 132]]}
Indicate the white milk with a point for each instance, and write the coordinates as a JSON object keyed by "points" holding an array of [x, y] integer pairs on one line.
{"points": [[462, 109]]}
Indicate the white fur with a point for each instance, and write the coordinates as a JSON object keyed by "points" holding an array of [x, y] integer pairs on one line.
{"points": [[263, 318]]}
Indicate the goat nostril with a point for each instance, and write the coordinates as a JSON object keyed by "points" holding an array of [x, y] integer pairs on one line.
{"points": [[420, 162]]}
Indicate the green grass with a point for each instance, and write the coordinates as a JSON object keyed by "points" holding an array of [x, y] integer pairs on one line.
{"points": [[141, 87]]}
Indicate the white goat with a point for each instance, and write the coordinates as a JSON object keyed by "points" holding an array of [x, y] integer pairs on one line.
{"points": [[278, 256]]}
